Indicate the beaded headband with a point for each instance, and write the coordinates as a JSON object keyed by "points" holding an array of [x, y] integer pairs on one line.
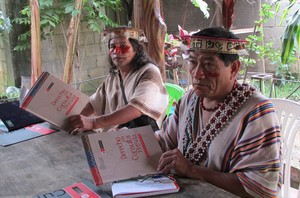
{"points": [[127, 32], [217, 45]]}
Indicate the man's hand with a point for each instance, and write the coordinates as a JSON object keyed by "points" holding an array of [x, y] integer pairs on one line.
{"points": [[173, 161]]}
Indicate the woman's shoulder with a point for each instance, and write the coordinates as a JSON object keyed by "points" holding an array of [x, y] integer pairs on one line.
{"points": [[150, 67], [149, 70], [111, 78]]}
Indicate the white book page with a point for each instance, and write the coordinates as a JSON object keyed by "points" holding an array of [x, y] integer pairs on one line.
{"points": [[150, 186]]}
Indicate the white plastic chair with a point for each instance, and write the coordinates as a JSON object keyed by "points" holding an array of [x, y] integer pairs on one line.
{"points": [[289, 116]]}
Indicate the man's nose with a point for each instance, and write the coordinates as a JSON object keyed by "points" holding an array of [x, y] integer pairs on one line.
{"points": [[199, 72]]}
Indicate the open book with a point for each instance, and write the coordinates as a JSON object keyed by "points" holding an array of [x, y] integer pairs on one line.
{"points": [[144, 187], [53, 100], [126, 157], [122, 154]]}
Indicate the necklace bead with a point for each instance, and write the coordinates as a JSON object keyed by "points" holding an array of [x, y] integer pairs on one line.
{"points": [[196, 149], [208, 109]]}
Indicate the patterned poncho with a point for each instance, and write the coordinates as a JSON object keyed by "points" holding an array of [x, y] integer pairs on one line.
{"points": [[241, 137], [144, 90]]}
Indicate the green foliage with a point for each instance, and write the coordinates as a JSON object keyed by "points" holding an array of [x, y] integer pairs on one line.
{"points": [[290, 37], [202, 5], [256, 40], [265, 49], [281, 89], [53, 12], [94, 16], [292, 31], [10, 94], [4, 23]]}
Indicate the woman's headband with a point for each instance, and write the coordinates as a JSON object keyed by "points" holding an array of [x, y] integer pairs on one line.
{"points": [[127, 32], [217, 45]]}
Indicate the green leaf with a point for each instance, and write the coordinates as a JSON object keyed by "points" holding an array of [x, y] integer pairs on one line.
{"points": [[277, 6], [75, 12], [203, 7], [291, 34], [52, 24], [286, 11], [52, 12], [69, 8]]}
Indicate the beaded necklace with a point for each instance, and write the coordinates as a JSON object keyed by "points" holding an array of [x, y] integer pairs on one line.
{"points": [[218, 105], [208, 109], [196, 150]]}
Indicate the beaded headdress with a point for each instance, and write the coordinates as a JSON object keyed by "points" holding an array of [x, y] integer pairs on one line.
{"points": [[217, 45], [127, 32]]}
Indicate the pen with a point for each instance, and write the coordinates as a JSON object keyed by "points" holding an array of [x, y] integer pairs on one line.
{"points": [[73, 131], [150, 176]]}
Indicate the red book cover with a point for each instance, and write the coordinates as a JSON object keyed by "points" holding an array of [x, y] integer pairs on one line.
{"points": [[83, 189]]}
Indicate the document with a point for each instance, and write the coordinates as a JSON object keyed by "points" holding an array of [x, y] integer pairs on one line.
{"points": [[53, 100], [154, 185], [122, 154]]}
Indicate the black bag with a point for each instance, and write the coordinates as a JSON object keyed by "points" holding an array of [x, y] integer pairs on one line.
{"points": [[143, 120]]}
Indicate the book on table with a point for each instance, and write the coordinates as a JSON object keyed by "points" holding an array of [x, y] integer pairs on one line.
{"points": [[53, 100], [155, 185], [18, 125], [83, 189], [117, 156]]}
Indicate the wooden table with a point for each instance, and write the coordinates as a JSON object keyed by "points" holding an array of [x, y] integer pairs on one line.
{"points": [[54, 161]]}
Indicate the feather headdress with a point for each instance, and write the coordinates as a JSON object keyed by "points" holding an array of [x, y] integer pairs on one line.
{"points": [[127, 32]]}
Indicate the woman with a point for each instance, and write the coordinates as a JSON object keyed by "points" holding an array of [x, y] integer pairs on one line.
{"points": [[143, 92]]}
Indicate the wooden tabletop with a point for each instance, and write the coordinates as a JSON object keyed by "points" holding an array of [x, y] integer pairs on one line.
{"points": [[54, 161]]}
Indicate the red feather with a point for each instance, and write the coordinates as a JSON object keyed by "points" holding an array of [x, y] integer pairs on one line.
{"points": [[182, 32], [227, 12]]}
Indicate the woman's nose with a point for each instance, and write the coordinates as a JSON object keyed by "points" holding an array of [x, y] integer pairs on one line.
{"points": [[116, 50]]}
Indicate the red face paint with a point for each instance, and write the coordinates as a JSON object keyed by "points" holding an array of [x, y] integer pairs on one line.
{"points": [[119, 49]]}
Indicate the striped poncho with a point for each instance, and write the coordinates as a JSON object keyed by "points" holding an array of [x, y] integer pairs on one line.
{"points": [[247, 145]]}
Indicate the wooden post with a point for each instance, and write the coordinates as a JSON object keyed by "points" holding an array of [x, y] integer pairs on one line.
{"points": [[73, 31], [36, 59], [146, 14]]}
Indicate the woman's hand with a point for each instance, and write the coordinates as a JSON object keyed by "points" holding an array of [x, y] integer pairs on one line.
{"points": [[80, 123], [173, 161]]}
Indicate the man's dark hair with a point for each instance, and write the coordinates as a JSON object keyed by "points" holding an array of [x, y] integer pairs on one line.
{"points": [[219, 32], [139, 60]]}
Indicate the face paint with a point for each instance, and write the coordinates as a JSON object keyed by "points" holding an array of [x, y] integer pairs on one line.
{"points": [[119, 49]]}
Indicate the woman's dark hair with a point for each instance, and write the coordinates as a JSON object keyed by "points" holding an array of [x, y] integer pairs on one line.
{"points": [[139, 60], [219, 32]]}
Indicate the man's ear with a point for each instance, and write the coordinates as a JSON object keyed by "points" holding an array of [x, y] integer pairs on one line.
{"points": [[235, 68]]}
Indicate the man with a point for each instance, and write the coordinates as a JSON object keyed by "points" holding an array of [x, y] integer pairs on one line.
{"points": [[222, 132]]}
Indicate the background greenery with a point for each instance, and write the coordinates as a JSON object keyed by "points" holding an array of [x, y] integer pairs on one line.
{"points": [[53, 12]]}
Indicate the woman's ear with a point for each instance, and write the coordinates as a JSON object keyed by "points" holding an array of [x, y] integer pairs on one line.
{"points": [[235, 68]]}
